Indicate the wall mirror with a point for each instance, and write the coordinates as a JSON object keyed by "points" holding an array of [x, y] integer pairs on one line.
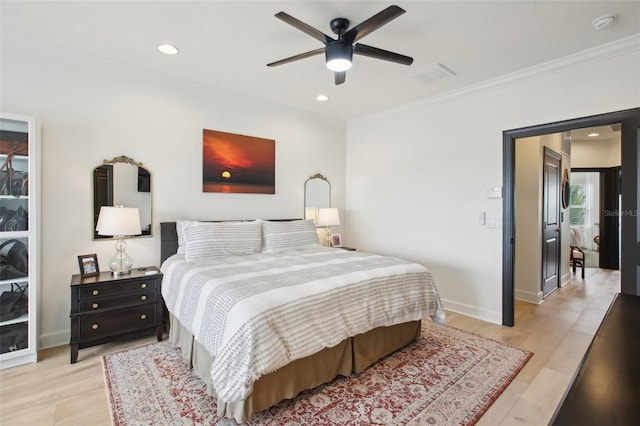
{"points": [[124, 182], [317, 194]]}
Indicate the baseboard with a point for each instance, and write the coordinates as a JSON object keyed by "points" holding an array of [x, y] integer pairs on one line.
{"points": [[51, 340], [472, 311], [529, 297]]}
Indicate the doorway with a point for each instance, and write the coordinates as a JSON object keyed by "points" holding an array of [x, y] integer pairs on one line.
{"points": [[629, 121]]}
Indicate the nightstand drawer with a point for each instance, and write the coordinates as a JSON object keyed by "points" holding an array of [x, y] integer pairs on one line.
{"points": [[116, 288], [128, 299], [96, 326]]}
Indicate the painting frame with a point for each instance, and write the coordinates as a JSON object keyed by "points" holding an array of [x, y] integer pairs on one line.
{"points": [[235, 163], [88, 264], [336, 240]]}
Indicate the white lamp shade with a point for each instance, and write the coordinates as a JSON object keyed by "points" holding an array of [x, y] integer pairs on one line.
{"points": [[328, 217], [119, 221]]}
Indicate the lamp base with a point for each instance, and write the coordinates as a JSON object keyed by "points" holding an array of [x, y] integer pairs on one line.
{"points": [[120, 263]]}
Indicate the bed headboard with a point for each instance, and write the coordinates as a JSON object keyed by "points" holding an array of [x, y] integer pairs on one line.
{"points": [[168, 240], [169, 237]]}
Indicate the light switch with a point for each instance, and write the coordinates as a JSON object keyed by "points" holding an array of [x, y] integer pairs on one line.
{"points": [[494, 192]]}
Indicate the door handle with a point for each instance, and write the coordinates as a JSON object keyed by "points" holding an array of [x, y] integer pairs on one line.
{"points": [[557, 229]]}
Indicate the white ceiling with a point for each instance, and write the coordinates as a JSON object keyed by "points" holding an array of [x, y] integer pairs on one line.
{"points": [[228, 43]]}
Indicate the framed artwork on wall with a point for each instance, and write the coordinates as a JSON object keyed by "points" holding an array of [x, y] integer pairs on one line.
{"points": [[234, 163]]}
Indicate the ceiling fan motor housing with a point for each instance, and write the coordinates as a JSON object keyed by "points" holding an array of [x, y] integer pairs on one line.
{"points": [[339, 25]]}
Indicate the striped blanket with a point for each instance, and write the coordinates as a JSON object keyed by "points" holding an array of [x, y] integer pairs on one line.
{"points": [[257, 313]]}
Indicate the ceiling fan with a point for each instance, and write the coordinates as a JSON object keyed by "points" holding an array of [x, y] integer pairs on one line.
{"points": [[339, 52]]}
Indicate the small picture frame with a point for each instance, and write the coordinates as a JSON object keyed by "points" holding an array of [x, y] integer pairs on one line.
{"points": [[336, 240], [88, 265]]}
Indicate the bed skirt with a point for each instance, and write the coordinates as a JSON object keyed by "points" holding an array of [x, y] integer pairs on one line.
{"points": [[351, 355]]}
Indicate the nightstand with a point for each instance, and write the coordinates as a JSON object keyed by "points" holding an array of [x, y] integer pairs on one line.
{"points": [[105, 307]]}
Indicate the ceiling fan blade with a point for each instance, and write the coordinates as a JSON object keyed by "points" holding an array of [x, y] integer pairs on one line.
{"points": [[385, 55], [305, 28], [297, 57], [340, 77], [373, 23]]}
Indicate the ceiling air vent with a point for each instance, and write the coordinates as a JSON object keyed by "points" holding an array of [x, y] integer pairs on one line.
{"points": [[433, 74], [616, 127]]}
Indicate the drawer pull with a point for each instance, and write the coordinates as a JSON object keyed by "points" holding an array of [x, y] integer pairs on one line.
{"points": [[143, 297], [95, 292], [143, 285], [143, 316], [94, 306], [94, 326]]}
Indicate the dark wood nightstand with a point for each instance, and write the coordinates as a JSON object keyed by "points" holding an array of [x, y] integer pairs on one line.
{"points": [[104, 307]]}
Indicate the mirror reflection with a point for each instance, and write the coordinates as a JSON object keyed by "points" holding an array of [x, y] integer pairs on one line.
{"points": [[124, 182], [317, 194]]}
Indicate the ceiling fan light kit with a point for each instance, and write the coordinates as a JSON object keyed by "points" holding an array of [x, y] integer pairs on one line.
{"points": [[339, 55], [339, 52]]}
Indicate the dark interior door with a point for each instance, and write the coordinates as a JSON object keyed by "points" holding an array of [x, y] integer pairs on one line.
{"points": [[630, 219], [609, 255], [551, 221]]}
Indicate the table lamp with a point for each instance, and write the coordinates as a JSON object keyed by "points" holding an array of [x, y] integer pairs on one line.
{"points": [[328, 217], [119, 222]]}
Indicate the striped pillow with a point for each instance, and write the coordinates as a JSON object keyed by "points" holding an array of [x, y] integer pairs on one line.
{"points": [[204, 240], [293, 235]]}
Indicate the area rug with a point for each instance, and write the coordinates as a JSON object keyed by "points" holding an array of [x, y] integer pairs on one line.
{"points": [[446, 377]]}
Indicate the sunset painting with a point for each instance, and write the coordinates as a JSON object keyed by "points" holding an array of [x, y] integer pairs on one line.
{"points": [[237, 163]]}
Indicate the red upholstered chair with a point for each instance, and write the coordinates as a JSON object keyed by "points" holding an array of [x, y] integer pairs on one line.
{"points": [[576, 254]]}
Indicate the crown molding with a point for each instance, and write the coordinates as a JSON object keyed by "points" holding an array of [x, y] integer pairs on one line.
{"points": [[600, 53]]}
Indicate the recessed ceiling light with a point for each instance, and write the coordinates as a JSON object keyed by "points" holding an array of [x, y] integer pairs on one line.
{"points": [[168, 49], [602, 21], [322, 98], [593, 135]]}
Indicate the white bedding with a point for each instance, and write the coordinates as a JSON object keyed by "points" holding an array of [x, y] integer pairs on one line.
{"points": [[257, 313]]}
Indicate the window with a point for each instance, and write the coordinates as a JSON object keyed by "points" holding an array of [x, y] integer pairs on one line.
{"points": [[579, 204]]}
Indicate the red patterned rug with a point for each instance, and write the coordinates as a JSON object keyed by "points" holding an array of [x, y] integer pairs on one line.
{"points": [[447, 377]]}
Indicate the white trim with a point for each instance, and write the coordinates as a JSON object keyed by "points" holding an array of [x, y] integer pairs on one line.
{"points": [[472, 311], [529, 297]]}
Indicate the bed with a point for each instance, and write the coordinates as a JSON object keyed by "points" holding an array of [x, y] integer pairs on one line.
{"points": [[262, 312]]}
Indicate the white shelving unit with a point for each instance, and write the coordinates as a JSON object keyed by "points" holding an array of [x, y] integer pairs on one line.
{"points": [[19, 221]]}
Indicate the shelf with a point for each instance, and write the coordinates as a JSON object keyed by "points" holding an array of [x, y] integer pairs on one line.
{"points": [[21, 280], [16, 157], [14, 197], [13, 234], [21, 318]]}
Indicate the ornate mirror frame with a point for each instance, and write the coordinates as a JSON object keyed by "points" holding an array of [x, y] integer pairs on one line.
{"points": [[317, 194], [123, 181]]}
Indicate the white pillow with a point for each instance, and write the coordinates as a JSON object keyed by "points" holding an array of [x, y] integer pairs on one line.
{"points": [[179, 230], [292, 235], [216, 239]]}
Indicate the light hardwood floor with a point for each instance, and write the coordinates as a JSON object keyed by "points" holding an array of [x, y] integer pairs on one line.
{"points": [[558, 332]]}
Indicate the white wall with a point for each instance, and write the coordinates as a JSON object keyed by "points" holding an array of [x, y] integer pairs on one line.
{"points": [[527, 275], [596, 153], [90, 110], [417, 176]]}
